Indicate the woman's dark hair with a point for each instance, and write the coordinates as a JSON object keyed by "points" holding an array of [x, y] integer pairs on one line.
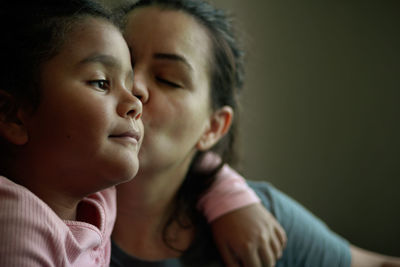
{"points": [[225, 83], [32, 32]]}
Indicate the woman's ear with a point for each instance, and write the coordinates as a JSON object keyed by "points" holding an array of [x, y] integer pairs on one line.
{"points": [[220, 122], [12, 128]]}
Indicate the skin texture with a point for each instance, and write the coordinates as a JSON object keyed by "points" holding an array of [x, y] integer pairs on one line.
{"points": [[259, 238], [76, 134], [176, 88], [364, 258], [170, 55]]}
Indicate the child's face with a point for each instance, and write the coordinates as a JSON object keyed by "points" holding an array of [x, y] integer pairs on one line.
{"points": [[86, 133]]}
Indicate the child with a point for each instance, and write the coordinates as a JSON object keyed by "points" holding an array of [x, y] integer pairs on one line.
{"points": [[70, 128]]}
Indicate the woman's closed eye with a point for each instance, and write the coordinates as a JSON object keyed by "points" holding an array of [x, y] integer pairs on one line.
{"points": [[100, 84], [168, 82]]}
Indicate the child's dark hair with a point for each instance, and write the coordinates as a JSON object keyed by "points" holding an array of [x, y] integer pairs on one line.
{"points": [[32, 32], [226, 81]]}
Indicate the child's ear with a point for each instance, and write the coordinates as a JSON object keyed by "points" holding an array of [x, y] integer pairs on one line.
{"points": [[220, 122], [12, 128]]}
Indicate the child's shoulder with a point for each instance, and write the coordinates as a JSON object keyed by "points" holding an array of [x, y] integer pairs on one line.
{"points": [[27, 225], [20, 207]]}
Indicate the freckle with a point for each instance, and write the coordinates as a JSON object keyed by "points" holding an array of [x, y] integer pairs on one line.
{"points": [[68, 136]]}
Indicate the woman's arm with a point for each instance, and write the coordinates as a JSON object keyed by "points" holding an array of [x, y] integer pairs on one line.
{"points": [[249, 236], [364, 258], [232, 207]]}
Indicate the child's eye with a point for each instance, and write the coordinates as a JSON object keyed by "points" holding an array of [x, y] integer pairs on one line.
{"points": [[100, 84], [169, 83]]}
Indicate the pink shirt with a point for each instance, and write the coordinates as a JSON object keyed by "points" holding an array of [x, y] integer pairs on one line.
{"points": [[228, 192], [31, 234]]}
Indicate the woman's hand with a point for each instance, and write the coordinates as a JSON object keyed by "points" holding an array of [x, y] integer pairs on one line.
{"points": [[249, 237]]}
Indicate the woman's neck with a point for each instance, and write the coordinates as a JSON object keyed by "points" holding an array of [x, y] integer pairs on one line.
{"points": [[144, 206]]}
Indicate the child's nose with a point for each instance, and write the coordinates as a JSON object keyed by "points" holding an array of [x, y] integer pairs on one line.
{"points": [[131, 106]]}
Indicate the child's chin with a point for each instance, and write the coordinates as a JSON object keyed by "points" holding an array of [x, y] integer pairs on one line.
{"points": [[125, 173]]}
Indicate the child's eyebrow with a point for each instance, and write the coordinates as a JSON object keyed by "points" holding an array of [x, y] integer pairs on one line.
{"points": [[106, 60]]}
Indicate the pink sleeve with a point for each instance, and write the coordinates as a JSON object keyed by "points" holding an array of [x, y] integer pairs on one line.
{"points": [[25, 240], [32, 235], [228, 193]]}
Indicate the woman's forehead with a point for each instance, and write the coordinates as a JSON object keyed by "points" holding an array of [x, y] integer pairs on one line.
{"points": [[167, 31]]}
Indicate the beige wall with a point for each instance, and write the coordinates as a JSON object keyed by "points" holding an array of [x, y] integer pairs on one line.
{"points": [[321, 117]]}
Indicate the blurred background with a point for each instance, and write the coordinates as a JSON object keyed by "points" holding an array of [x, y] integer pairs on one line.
{"points": [[321, 109]]}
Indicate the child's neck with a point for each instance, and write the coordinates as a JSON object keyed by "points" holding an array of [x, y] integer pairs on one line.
{"points": [[53, 191], [65, 213], [64, 206]]}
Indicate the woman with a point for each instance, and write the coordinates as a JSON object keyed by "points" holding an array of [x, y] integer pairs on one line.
{"points": [[170, 145], [188, 69]]}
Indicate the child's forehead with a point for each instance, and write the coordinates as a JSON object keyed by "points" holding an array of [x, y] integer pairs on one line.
{"points": [[91, 35], [91, 42], [90, 27]]}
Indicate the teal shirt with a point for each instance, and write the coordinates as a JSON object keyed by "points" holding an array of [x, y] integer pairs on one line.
{"points": [[310, 242]]}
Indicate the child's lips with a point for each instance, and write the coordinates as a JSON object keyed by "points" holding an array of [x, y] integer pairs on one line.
{"points": [[130, 136]]}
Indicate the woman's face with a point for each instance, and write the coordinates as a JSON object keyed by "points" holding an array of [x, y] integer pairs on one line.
{"points": [[170, 57], [88, 121]]}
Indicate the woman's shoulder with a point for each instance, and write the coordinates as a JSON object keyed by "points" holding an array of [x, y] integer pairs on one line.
{"points": [[309, 238]]}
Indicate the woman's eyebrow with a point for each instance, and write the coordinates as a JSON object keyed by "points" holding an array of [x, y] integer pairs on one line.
{"points": [[173, 57]]}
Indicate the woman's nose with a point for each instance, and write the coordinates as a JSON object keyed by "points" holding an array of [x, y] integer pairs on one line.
{"points": [[140, 89]]}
